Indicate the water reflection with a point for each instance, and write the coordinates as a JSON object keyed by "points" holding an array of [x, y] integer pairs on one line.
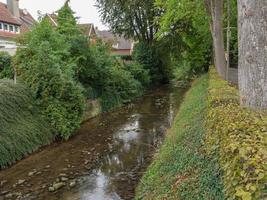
{"points": [[131, 148], [106, 158]]}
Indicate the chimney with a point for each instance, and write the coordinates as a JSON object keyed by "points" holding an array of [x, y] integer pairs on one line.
{"points": [[13, 7]]}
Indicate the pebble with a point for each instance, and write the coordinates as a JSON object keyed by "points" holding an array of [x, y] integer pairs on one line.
{"points": [[47, 166], [63, 175], [72, 184], [56, 187], [21, 182], [64, 179], [31, 173], [9, 196], [2, 183], [4, 192]]}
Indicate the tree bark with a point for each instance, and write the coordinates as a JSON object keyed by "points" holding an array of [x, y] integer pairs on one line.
{"points": [[252, 25], [228, 37], [219, 50], [215, 10]]}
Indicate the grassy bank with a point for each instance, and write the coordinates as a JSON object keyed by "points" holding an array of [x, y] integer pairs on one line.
{"points": [[182, 170], [215, 149], [22, 128]]}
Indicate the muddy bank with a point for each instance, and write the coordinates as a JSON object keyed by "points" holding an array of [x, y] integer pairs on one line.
{"points": [[105, 159]]}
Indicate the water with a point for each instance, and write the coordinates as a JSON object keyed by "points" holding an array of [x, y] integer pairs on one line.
{"points": [[104, 160]]}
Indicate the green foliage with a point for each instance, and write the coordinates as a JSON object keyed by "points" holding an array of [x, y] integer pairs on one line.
{"points": [[150, 58], [22, 130], [238, 136], [115, 84], [43, 66], [66, 22], [131, 18], [6, 70], [181, 170], [185, 28], [139, 73]]}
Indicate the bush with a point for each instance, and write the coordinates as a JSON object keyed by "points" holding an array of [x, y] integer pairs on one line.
{"points": [[139, 73], [120, 87], [6, 71], [23, 129], [106, 78], [43, 67], [238, 135], [150, 58]]}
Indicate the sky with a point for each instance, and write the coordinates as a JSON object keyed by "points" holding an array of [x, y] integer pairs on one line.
{"points": [[84, 9]]}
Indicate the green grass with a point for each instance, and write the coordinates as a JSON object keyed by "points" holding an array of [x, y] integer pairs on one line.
{"points": [[22, 129], [181, 170]]}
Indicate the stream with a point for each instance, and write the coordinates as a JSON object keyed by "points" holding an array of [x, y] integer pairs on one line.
{"points": [[103, 161]]}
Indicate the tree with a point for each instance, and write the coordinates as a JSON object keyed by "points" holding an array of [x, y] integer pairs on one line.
{"points": [[131, 18], [215, 10], [185, 30], [252, 53], [42, 65]]}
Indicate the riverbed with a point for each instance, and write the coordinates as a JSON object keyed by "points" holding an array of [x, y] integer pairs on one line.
{"points": [[104, 160]]}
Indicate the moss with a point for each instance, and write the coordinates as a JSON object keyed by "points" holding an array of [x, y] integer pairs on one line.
{"points": [[182, 170], [22, 129], [238, 136]]}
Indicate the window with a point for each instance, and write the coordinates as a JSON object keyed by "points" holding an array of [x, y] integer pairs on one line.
{"points": [[1, 26], [16, 29], [11, 28], [5, 27]]}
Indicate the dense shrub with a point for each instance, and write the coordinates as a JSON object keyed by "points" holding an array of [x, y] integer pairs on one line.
{"points": [[23, 129], [6, 71], [139, 73], [151, 59], [238, 136], [43, 66]]}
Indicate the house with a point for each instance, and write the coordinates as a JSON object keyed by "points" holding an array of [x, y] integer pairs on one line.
{"points": [[88, 29], [13, 22], [120, 45]]}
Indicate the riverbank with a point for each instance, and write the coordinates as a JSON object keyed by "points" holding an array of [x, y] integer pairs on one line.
{"points": [[214, 150], [181, 170]]}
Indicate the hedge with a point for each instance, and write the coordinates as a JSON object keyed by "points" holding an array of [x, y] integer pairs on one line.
{"points": [[22, 129], [239, 137]]}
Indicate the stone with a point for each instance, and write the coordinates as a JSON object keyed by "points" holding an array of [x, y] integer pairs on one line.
{"points": [[9, 196], [47, 166], [4, 192], [2, 183], [72, 184], [31, 173], [64, 179], [56, 186], [21, 182], [63, 175]]}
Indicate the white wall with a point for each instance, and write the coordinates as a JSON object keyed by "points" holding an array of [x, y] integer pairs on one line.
{"points": [[8, 46]]}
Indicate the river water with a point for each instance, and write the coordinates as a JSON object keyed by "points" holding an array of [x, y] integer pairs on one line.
{"points": [[103, 161]]}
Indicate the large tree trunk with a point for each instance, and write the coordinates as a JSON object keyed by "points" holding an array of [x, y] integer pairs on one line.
{"points": [[252, 25], [215, 9]]}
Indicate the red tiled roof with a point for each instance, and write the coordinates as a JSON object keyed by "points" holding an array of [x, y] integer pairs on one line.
{"points": [[25, 21], [6, 16]]}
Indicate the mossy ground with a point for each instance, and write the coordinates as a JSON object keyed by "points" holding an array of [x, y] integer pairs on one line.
{"points": [[182, 170]]}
